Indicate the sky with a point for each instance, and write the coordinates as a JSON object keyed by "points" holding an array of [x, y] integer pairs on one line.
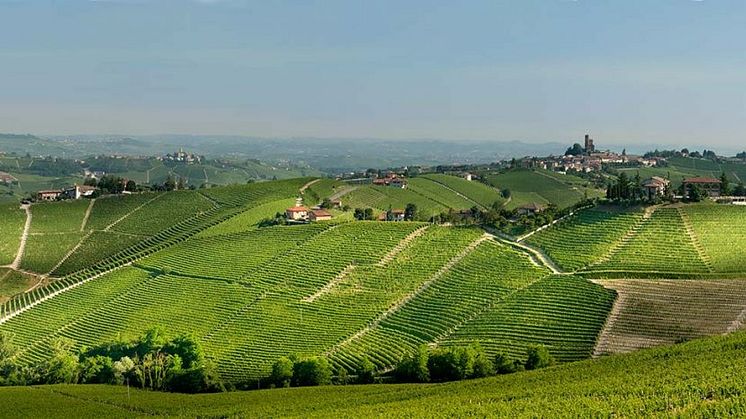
{"points": [[627, 71]]}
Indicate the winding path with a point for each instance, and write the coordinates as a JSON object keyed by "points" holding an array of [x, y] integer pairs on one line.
{"points": [[24, 237]]}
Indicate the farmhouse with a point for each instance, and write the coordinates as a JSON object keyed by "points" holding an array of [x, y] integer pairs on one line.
{"points": [[391, 179], [297, 213], [79, 191], [319, 215], [7, 178], [710, 186], [49, 195], [655, 186], [531, 208]]}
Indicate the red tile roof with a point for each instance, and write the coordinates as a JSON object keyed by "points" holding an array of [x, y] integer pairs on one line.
{"points": [[297, 209], [701, 180], [321, 213]]}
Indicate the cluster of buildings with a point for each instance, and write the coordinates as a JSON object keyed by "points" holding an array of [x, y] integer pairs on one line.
{"points": [[182, 157], [391, 179], [589, 161], [93, 174], [73, 192], [302, 214], [657, 186]]}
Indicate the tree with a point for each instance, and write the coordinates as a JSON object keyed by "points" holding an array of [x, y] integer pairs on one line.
{"points": [[368, 213], [312, 372], [740, 190], [410, 212], [342, 378], [483, 366], [695, 193], [575, 150], [62, 367], [537, 356], [282, 372], [503, 364], [326, 203], [359, 214], [724, 184], [97, 369], [366, 372], [414, 369], [506, 193]]}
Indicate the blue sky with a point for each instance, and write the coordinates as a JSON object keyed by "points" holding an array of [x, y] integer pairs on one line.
{"points": [[650, 71]]}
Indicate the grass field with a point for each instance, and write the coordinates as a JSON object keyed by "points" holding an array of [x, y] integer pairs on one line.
{"points": [[697, 379]]}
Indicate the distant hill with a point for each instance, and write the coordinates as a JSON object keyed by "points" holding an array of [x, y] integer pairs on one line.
{"points": [[542, 187]]}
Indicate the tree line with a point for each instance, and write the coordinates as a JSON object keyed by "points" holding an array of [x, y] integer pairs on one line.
{"points": [[424, 366], [153, 361]]}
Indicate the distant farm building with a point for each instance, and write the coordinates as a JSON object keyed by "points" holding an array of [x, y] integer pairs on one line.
{"points": [[49, 195], [531, 208], [319, 215], [392, 215], [709, 185], [183, 157], [297, 213], [391, 179], [7, 178], [79, 191], [468, 176], [655, 186]]}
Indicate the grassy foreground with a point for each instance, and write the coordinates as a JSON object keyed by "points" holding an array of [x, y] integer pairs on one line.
{"points": [[703, 378]]}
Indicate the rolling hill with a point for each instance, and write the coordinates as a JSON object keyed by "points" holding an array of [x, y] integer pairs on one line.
{"points": [[542, 187], [695, 379], [603, 280]]}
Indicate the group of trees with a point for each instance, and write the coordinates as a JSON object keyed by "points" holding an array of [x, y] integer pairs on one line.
{"points": [[626, 189], [362, 214], [425, 365], [154, 361], [110, 184], [460, 363]]}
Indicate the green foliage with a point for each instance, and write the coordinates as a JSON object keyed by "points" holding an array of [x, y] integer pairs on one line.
{"points": [[282, 372], [537, 356], [414, 369], [366, 372], [312, 372]]}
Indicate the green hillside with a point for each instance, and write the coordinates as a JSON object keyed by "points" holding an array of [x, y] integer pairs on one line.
{"points": [[696, 379], [542, 186]]}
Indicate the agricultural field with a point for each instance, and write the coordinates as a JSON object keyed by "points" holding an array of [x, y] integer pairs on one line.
{"points": [[110, 209], [660, 244], [93, 247], [12, 221], [488, 275], [698, 379], [541, 186], [439, 193], [474, 191], [384, 198], [44, 251], [248, 220], [664, 312], [564, 313], [13, 283], [163, 212], [721, 230], [586, 236], [58, 217]]}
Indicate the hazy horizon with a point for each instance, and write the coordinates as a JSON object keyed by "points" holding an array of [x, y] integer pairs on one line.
{"points": [[634, 72]]}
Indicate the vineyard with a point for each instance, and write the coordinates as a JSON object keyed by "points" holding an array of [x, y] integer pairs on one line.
{"points": [[653, 313], [660, 243], [541, 186], [584, 238], [696, 379], [473, 191], [12, 220], [721, 230]]}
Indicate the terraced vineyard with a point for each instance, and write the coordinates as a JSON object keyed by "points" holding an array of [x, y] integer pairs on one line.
{"points": [[541, 186], [585, 237], [564, 313], [720, 229], [49, 249], [488, 275], [661, 312], [661, 244], [475, 192]]}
